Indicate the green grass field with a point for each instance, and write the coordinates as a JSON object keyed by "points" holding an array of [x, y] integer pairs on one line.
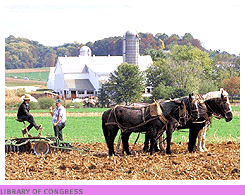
{"points": [[87, 110], [71, 110], [36, 76], [89, 130]]}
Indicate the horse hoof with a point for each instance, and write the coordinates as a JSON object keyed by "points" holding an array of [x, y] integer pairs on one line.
{"points": [[168, 152], [151, 153], [146, 149], [111, 154]]}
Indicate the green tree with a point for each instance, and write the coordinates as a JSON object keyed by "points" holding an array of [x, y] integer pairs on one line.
{"points": [[162, 92], [104, 95], [155, 54], [157, 73], [184, 68], [62, 51], [224, 66], [194, 63], [126, 84], [207, 85], [165, 92], [107, 46]]}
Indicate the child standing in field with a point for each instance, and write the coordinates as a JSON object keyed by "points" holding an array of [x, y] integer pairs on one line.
{"points": [[59, 118]]}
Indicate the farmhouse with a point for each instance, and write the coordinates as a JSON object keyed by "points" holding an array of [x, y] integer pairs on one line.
{"points": [[79, 77]]}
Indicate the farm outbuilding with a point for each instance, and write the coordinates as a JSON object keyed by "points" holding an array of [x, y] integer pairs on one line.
{"points": [[75, 76], [79, 77]]}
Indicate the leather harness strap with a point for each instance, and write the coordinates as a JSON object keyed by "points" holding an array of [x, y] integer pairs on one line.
{"points": [[160, 117]]}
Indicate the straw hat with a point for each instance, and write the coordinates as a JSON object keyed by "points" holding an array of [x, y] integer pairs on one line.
{"points": [[27, 97]]}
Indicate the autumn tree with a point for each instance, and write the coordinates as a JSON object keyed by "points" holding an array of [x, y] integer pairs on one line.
{"points": [[147, 41], [232, 86]]}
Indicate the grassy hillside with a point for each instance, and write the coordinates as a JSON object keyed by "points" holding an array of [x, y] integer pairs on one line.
{"points": [[37, 77]]}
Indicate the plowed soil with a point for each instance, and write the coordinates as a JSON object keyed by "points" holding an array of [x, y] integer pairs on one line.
{"points": [[221, 162]]}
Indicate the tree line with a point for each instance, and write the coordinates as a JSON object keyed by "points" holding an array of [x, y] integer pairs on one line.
{"points": [[185, 69], [25, 53]]}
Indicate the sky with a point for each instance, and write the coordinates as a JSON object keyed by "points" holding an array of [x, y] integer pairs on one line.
{"points": [[217, 24]]}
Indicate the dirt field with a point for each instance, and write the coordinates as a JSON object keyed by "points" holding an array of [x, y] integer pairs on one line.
{"points": [[21, 81], [26, 70], [221, 162]]}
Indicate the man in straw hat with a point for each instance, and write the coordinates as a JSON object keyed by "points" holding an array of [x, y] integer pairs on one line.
{"points": [[58, 118], [24, 115]]}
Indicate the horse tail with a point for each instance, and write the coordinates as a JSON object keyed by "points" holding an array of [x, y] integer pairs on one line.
{"points": [[104, 127], [105, 120]]}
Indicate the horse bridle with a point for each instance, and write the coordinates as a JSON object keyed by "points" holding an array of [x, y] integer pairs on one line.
{"points": [[183, 114], [180, 115], [192, 111], [228, 111], [219, 116]]}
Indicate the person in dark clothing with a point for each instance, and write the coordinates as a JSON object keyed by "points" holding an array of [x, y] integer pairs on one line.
{"points": [[24, 115]]}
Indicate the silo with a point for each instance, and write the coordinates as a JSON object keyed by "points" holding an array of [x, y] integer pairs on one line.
{"points": [[85, 51], [131, 47]]}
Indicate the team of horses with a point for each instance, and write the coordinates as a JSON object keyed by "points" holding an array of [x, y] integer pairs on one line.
{"points": [[191, 112]]}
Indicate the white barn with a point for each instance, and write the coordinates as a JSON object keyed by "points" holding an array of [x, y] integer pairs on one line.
{"points": [[50, 83], [78, 77]]}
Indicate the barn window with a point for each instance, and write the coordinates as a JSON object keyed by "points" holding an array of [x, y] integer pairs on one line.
{"points": [[81, 92], [90, 92]]}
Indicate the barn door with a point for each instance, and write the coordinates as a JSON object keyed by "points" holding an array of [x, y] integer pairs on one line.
{"points": [[73, 94]]}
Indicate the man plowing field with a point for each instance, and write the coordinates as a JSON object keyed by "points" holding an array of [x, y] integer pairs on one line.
{"points": [[24, 115]]}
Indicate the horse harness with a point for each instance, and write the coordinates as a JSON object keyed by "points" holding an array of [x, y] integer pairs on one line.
{"points": [[155, 112]]}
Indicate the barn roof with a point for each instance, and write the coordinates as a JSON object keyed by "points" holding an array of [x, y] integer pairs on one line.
{"points": [[102, 65], [79, 84]]}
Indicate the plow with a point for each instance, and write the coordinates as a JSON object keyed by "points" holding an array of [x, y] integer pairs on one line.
{"points": [[41, 145]]}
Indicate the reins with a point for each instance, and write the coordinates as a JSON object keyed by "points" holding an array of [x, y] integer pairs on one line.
{"points": [[215, 114]]}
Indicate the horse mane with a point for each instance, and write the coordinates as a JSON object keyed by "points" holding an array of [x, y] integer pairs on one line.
{"points": [[172, 100], [214, 94]]}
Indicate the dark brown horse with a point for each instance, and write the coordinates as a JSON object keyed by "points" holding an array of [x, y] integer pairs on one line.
{"points": [[152, 119], [191, 103], [211, 104]]}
